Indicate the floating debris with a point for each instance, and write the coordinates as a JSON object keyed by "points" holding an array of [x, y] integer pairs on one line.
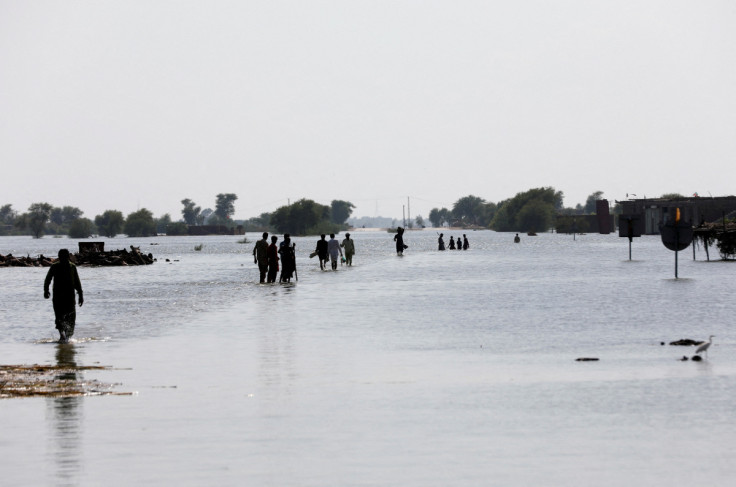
{"points": [[121, 257], [52, 381], [586, 359], [686, 342]]}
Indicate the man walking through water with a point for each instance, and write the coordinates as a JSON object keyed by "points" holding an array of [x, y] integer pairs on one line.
{"points": [[66, 281], [323, 252], [399, 239], [349, 246], [260, 256], [273, 259], [333, 247]]}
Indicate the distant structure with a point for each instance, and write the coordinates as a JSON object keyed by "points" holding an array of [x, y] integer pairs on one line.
{"points": [[600, 222], [695, 209]]}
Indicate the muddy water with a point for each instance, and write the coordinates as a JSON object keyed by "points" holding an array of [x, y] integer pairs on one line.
{"points": [[454, 368]]}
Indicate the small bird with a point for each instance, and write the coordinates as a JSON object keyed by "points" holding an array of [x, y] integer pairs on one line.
{"points": [[704, 347]]}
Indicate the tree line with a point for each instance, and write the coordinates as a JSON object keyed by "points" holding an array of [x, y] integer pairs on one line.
{"points": [[303, 217], [528, 211], [534, 210], [44, 218]]}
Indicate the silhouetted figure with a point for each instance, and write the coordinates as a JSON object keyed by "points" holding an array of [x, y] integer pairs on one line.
{"points": [[273, 259], [441, 242], [333, 247], [288, 259], [323, 251], [466, 244], [66, 281], [452, 243], [349, 246], [517, 239], [399, 239], [260, 256]]}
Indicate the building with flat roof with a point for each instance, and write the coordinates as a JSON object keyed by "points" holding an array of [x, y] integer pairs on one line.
{"points": [[696, 210]]}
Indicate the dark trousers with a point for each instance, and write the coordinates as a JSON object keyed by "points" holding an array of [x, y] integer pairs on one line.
{"points": [[263, 268], [272, 272], [66, 317]]}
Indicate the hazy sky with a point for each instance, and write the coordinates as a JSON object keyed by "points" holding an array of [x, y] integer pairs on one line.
{"points": [[128, 104]]}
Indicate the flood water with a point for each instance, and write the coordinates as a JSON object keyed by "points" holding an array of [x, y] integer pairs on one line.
{"points": [[432, 369]]}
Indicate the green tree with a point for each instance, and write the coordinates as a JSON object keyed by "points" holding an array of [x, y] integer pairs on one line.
{"points": [[140, 224], [303, 217], [468, 210], [439, 217], [7, 215], [261, 223], [434, 217], [81, 228], [110, 223], [590, 202], [177, 228], [506, 216], [419, 221], [340, 211], [535, 215], [225, 206], [190, 212], [162, 223], [37, 218], [672, 196], [65, 215], [487, 212]]}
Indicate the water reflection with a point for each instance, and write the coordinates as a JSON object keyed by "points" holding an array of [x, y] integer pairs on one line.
{"points": [[65, 422], [276, 348]]}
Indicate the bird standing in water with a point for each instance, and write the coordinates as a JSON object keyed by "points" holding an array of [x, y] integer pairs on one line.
{"points": [[704, 347]]}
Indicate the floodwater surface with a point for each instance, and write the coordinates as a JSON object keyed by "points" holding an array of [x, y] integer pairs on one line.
{"points": [[431, 369]]}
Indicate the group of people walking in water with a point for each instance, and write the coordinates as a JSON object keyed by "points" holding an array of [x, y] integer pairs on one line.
{"points": [[330, 250], [267, 256], [270, 258], [460, 245]]}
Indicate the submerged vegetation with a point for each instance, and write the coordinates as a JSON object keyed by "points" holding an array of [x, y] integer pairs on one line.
{"points": [[51, 381], [722, 233]]}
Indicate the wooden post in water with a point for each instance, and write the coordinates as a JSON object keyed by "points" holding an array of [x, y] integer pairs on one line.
{"points": [[677, 244]]}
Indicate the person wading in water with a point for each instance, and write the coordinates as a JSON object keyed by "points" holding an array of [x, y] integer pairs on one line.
{"points": [[323, 252], [260, 256], [66, 281], [273, 259], [349, 246], [399, 239]]}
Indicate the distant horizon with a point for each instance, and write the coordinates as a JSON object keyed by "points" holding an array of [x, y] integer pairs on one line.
{"points": [[177, 216]]}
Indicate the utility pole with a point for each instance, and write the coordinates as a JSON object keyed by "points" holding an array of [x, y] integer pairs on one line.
{"points": [[408, 209]]}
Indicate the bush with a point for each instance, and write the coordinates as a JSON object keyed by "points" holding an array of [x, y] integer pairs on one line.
{"points": [[140, 224], [727, 245], [177, 228], [81, 228]]}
